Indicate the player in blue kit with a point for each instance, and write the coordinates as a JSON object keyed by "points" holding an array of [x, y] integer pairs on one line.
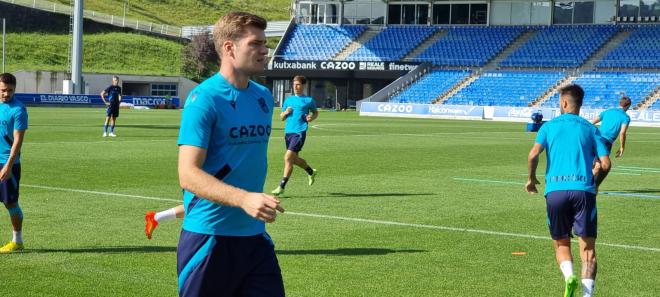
{"points": [[571, 143], [297, 111], [614, 124], [13, 123], [112, 112], [224, 249]]}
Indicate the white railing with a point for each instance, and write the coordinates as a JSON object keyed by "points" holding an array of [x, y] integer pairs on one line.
{"points": [[274, 29], [105, 18]]}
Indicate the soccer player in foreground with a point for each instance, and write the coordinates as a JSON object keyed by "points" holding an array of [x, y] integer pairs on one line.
{"points": [[112, 112], [224, 249], [14, 122], [572, 143], [296, 112], [152, 219], [614, 123]]}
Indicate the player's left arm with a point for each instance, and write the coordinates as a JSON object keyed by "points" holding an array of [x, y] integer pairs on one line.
{"points": [[313, 116], [5, 173], [622, 139], [532, 164], [314, 110], [596, 120]]}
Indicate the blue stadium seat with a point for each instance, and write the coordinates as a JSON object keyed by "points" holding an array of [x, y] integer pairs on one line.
{"points": [[318, 42], [640, 50], [560, 46], [604, 89], [469, 46], [430, 86], [392, 44], [506, 88]]}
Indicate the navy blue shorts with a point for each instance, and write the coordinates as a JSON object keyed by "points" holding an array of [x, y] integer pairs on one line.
{"points": [[112, 111], [9, 188], [571, 210], [295, 141], [214, 265], [608, 145]]}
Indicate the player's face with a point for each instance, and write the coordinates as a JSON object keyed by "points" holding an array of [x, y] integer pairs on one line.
{"points": [[250, 51], [6, 92], [297, 88], [115, 82]]}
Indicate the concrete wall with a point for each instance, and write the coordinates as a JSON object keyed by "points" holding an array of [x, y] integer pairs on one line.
{"points": [[53, 82]]}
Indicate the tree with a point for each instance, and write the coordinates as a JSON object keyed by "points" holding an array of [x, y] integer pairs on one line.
{"points": [[199, 58]]}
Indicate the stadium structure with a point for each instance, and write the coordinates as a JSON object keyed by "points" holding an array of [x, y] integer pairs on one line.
{"points": [[472, 53]]}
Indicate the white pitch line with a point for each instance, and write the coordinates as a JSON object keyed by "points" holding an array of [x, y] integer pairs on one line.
{"points": [[100, 193], [391, 223]]}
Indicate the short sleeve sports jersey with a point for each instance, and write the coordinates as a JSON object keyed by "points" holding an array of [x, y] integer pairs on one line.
{"points": [[113, 93], [301, 107], [13, 116], [611, 121], [234, 126], [571, 144]]}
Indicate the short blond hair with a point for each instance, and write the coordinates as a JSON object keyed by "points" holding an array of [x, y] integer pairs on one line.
{"points": [[232, 27]]}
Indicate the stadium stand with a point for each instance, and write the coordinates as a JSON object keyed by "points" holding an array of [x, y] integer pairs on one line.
{"points": [[392, 44], [604, 89], [484, 43], [506, 88], [560, 46], [640, 50], [655, 105], [318, 42], [430, 86]]}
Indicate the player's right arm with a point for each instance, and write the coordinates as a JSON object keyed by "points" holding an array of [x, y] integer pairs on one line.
{"points": [[596, 120], [103, 93], [532, 164], [285, 114], [622, 139], [194, 179]]}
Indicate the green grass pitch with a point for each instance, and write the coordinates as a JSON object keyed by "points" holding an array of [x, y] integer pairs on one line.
{"points": [[401, 207]]}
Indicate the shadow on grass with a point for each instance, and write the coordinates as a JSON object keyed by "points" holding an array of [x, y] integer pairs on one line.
{"points": [[105, 250], [347, 252], [359, 195]]}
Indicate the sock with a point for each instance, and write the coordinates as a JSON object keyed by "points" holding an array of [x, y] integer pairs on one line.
{"points": [[105, 128], [283, 182], [165, 215], [112, 129], [18, 237], [566, 268], [587, 287], [309, 170]]}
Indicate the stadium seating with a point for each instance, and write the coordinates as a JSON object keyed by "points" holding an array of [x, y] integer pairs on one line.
{"points": [[604, 89], [655, 105], [392, 44], [469, 46], [430, 86], [318, 42], [506, 88], [560, 46], [640, 50]]}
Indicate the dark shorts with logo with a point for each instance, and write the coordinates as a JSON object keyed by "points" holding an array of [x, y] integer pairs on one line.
{"points": [[112, 110], [295, 141], [9, 188], [214, 265], [574, 210]]}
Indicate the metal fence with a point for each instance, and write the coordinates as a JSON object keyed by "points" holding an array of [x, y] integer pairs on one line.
{"points": [[114, 20]]}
